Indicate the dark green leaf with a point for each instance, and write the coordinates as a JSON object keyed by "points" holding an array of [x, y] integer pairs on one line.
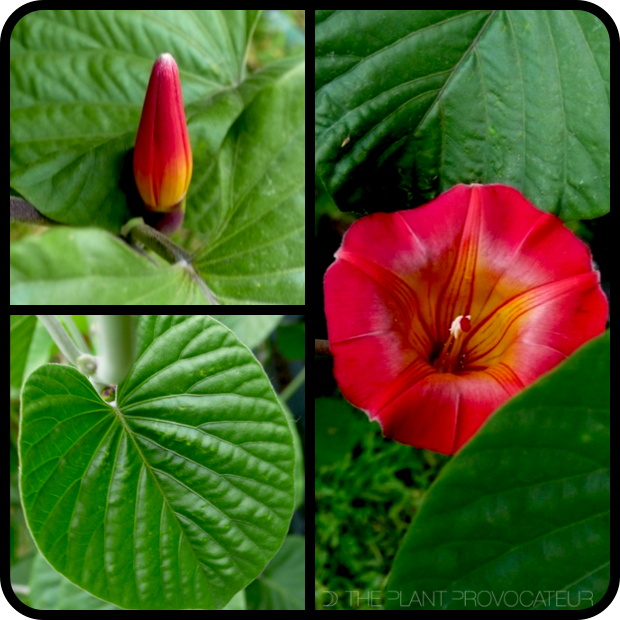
{"points": [[282, 585], [523, 510], [336, 430], [410, 102]]}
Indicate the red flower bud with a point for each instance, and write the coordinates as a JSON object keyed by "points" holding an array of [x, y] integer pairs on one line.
{"points": [[162, 160]]}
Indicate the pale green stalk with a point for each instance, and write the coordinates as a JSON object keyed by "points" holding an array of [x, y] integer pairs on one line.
{"points": [[115, 334], [294, 385], [60, 337], [74, 332]]}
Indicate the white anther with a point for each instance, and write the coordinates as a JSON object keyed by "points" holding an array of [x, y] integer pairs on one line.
{"points": [[457, 328]]}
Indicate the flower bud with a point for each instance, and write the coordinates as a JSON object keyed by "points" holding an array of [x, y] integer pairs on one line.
{"points": [[162, 159]]}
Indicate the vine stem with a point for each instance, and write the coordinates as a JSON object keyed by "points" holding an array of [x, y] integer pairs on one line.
{"points": [[74, 332], [321, 347], [23, 211], [136, 231], [294, 385]]}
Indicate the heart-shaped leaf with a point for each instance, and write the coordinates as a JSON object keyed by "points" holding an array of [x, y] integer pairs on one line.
{"points": [[178, 496]]}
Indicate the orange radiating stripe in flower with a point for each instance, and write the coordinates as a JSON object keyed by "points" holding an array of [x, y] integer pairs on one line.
{"points": [[488, 335], [456, 298], [506, 377], [401, 293]]}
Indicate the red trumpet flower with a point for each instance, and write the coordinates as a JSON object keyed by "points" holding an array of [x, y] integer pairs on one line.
{"points": [[162, 159], [438, 315]]}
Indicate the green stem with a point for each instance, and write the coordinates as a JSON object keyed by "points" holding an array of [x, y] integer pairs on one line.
{"points": [[116, 346], [294, 385], [136, 231], [74, 332], [115, 339], [61, 337]]}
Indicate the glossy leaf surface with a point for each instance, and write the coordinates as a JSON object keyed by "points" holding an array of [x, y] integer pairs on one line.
{"points": [[524, 507], [179, 496]]}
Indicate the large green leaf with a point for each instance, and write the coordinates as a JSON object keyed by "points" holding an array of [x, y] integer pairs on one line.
{"points": [[254, 219], [78, 80], [409, 103], [519, 519], [88, 266], [178, 496], [22, 330], [282, 585]]}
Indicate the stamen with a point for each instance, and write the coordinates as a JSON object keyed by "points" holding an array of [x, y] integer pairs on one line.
{"points": [[451, 357], [459, 325]]}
